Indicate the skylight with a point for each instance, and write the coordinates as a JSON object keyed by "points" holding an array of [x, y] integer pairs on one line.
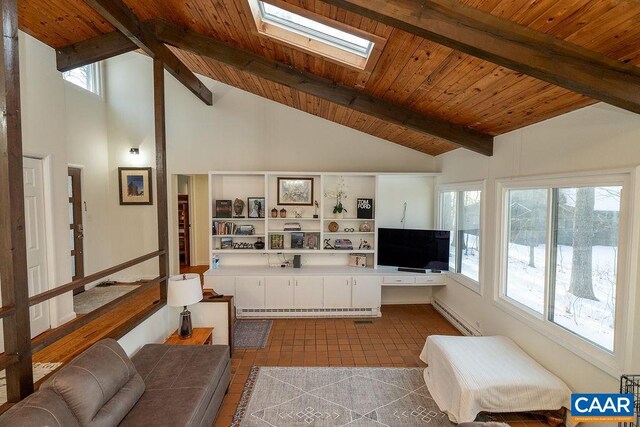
{"points": [[315, 30]]}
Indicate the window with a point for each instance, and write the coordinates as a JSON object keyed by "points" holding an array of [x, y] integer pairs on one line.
{"points": [[562, 253], [87, 77], [460, 214], [331, 39]]}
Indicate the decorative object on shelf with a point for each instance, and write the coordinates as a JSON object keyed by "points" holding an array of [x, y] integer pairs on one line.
{"points": [[215, 262], [333, 226], [365, 227], [243, 245], [274, 213], [339, 194], [349, 229], [357, 260], [277, 241], [328, 245], [245, 230], [135, 186], [255, 207], [283, 213], [223, 208], [295, 191], [311, 240], [364, 245], [184, 290], [365, 208], [226, 243], [297, 212], [316, 206], [259, 244], [344, 244], [292, 226], [297, 240], [238, 208]]}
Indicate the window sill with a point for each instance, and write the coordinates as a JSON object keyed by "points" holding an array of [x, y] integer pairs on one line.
{"points": [[606, 362]]}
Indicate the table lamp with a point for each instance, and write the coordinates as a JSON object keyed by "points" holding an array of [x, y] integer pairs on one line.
{"points": [[183, 290]]}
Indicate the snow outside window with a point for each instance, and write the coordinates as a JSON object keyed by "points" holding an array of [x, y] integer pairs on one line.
{"points": [[568, 275], [460, 214]]}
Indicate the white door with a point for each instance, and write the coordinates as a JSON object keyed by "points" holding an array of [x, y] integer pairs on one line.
{"points": [[249, 292], [366, 292], [36, 242], [278, 292], [309, 292], [337, 291]]}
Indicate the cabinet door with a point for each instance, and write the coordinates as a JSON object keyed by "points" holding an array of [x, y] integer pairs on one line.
{"points": [[249, 292], [225, 285], [337, 291], [278, 292], [308, 292], [366, 292]]}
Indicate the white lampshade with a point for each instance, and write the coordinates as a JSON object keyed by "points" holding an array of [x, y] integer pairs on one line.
{"points": [[184, 290]]}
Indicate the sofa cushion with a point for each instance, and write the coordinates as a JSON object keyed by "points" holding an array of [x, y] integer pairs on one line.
{"points": [[100, 386], [179, 383], [43, 408]]}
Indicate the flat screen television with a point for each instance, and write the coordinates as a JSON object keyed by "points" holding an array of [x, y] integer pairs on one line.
{"points": [[413, 249]]}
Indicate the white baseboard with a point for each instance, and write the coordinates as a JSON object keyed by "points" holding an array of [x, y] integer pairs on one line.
{"points": [[455, 319]]}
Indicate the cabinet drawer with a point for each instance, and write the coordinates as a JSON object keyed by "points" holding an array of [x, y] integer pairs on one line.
{"points": [[398, 279], [428, 280]]}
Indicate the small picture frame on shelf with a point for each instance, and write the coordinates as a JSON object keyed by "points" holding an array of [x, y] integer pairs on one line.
{"points": [[295, 191], [255, 207], [364, 208], [312, 241], [226, 243], [246, 230], [297, 240], [276, 241], [224, 208]]}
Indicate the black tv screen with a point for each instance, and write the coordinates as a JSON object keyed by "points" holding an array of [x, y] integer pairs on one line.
{"points": [[421, 249]]}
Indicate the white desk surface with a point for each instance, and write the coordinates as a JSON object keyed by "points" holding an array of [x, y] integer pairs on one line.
{"points": [[319, 270]]}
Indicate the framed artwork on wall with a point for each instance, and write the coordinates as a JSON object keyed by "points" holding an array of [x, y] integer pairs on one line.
{"points": [[295, 191], [135, 186]]}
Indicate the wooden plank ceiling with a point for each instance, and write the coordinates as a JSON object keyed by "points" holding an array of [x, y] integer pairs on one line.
{"points": [[413, 72]]}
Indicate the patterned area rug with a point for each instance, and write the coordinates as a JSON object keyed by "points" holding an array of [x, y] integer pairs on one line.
{"points": [[93, 298], [251, 333], [356, 397], [40, 370]]}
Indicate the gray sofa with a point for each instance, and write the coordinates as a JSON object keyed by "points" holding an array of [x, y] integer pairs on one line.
{"points": [[162, 385]]}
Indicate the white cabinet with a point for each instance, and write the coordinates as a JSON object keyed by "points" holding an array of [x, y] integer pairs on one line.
{"points": [[337, 291], [250, 292], [225, 285], [308, 292], [278, 292], [365, 291]]}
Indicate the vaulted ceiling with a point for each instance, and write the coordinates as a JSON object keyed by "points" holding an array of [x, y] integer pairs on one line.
{"points": [[411, 72]]}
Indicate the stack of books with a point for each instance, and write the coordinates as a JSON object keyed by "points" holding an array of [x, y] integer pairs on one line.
{"points": [[223, 228], [343, 244]]}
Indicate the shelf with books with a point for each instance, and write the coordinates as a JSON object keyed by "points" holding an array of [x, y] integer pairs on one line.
{"points": [[239, 236]]}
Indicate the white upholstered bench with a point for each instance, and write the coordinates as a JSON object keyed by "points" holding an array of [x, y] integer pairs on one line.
{"points": [[468, 375]]}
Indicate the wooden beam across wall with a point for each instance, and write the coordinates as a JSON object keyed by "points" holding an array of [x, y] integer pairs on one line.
{"points": [[506, 43], [13, 244], [93, 50], [120, 16]]}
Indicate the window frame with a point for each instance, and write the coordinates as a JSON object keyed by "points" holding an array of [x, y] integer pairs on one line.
{"points": [[617, 361], [94, 76], [468, 282]]}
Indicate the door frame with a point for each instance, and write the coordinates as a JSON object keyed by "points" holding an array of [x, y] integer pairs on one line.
{"points": [[82, 214]]}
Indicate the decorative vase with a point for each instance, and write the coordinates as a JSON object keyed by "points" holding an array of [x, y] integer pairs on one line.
{"points": [[365, 227], [333, 226], [274, 213], [259, 244], [283, 213]]}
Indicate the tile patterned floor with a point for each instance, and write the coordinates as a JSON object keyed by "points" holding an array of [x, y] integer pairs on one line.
{"points": [[395, 339]]}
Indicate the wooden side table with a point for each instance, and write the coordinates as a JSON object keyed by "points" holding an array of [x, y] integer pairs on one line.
{"points": [[199, 336]]}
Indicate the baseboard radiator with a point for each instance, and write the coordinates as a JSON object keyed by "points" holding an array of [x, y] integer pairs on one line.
{"points": [[307, 312], [460, 324]]}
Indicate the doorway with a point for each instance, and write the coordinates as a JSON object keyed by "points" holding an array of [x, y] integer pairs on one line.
{"points": [[184, 228], [76, 228], [35, 231]]}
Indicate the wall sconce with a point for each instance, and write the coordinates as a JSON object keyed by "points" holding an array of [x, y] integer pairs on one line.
{"points": [[134, 151]]}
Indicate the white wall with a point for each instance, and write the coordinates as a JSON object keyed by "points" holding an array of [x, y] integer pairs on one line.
{"points": [[157, 328], [599, 137], [200, 224]]}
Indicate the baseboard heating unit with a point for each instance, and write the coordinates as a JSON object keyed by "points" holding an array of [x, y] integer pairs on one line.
{"points": [[460, 324]]}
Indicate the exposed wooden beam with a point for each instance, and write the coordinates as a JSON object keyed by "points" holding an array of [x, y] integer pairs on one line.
{"points": [[323, 88], [93, 50], [121, 17], [509, 44], [13, 244], [161, 173]]}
